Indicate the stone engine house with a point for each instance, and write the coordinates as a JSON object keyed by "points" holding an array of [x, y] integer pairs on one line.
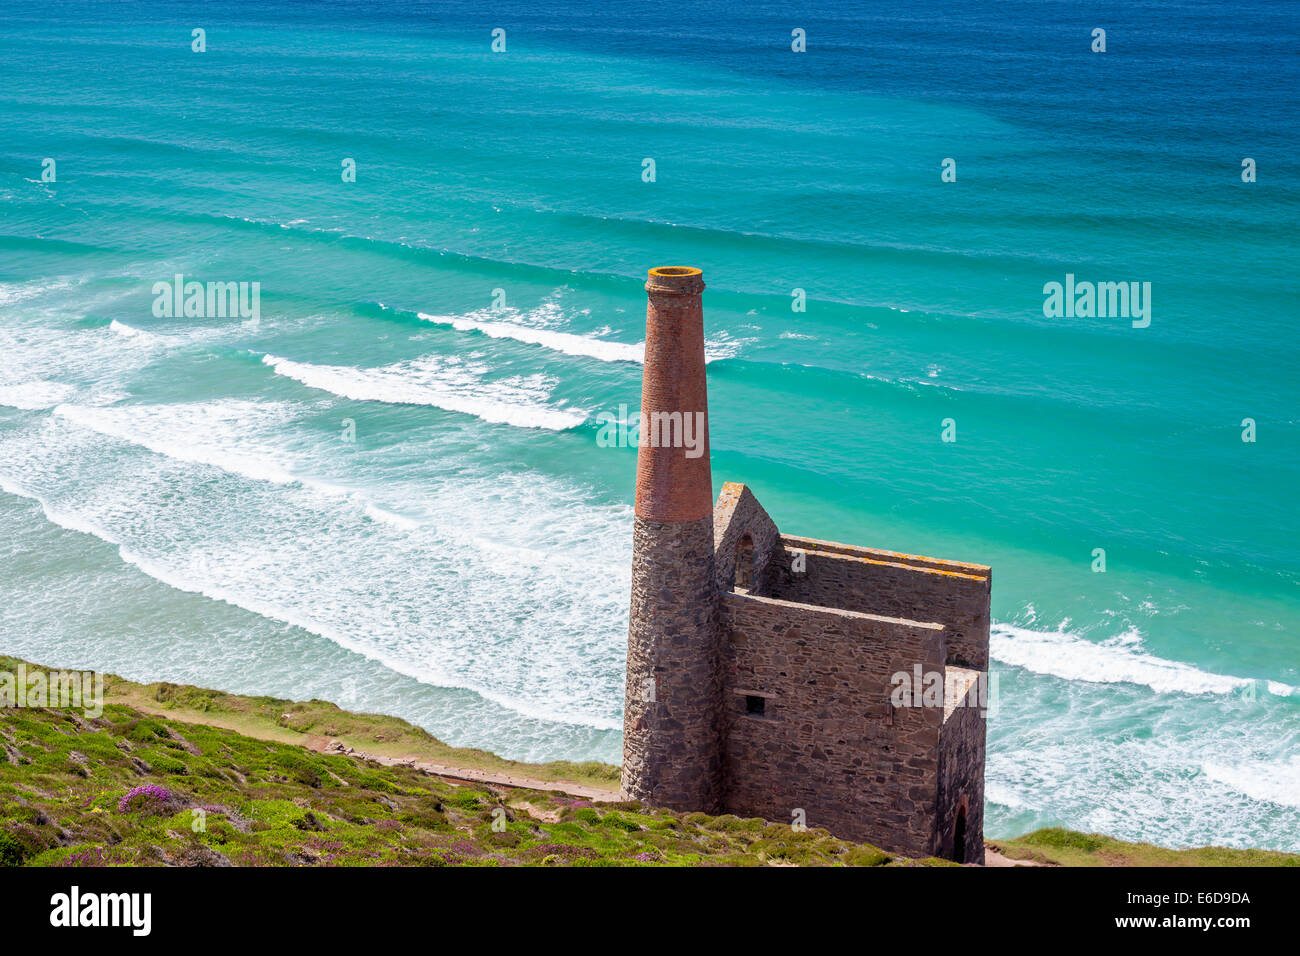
{"points": [[763, 669]]}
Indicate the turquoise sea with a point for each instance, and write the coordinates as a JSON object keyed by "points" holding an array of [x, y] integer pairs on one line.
{"points": [[387, 491]]}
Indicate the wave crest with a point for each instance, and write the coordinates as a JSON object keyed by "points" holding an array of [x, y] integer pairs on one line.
{"points": [[1119, 660], [449, 384]]}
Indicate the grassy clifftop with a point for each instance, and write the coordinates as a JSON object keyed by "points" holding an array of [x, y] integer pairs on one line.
{"points": [[1058, 847], [130, 788], [179, 775], [314, 721]]}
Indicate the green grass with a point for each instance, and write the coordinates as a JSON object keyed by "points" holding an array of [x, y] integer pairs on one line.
{"points": [[288, 721], [233, 799], [1068, 848], [244, 791]]}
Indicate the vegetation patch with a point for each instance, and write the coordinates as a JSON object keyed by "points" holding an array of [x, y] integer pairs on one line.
{"points": [[1060, 847], [134, 789], [172, 775]]}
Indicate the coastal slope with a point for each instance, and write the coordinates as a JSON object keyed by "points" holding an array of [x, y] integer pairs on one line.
{"points": [[179, 775]]}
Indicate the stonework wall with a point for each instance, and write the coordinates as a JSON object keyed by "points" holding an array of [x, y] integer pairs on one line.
{"points": [[771, 685], [737, 515], [828, 741], [672, 743], [961, 778], [953, 594]]}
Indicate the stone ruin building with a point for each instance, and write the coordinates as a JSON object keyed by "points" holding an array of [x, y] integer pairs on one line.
{"points": [[763, 669]]}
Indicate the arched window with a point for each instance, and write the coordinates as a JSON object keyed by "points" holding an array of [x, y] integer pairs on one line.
{"points": [[745, 563]]}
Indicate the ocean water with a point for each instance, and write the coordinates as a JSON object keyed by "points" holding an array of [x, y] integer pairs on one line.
{"points": [[387, 490]]}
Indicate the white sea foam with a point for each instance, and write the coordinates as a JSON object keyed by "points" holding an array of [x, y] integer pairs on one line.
{"points": [[1102, 770], [512, 586], [265, 603], [42, 353], [37, 394], [12, 293], [215, 434], [1270, 781], [452, 384], [175, 338], [64, 519], [1062, 653], [998, 792], [384, 516], [131, 332], [43, 357], [532, 329], [565, 342]]}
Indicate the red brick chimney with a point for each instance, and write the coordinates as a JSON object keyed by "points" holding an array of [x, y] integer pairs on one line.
{"points": [[670, 484], [672, 742]]}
